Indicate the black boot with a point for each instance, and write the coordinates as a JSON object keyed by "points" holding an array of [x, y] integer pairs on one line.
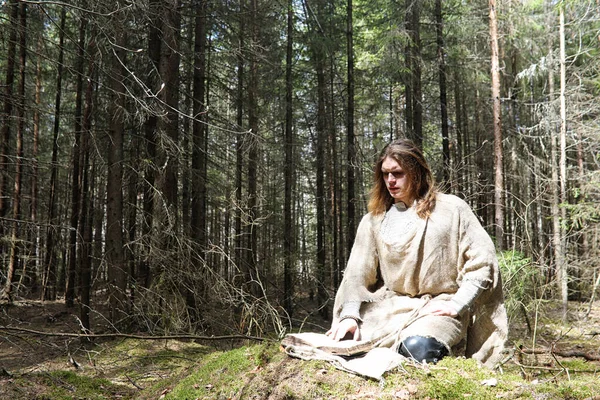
{"points": [[423, 349]]}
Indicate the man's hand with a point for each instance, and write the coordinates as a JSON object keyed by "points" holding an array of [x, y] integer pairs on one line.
{"points": [[345, 326], [440, 308]]}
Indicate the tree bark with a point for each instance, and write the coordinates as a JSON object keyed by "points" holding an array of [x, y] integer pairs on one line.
{"points": [[5, 134], [321, 267], [87, 206], [74, 232], [199, 148], [253, 139], [16, 202], [49, 276], [36, 234], [443, 89], [150, 135], [497, 127], [563, 277], [116, 269], [240, 146], [288, 222], [351, 142]]}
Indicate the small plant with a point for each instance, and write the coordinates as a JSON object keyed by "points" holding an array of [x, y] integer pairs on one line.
{"points": [[521, 282]]}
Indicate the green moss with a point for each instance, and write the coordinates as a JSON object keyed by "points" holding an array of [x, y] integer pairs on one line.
{"points": [[455, 378], [221, 374], [70, 385]]}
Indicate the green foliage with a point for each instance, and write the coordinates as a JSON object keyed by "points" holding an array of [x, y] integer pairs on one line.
{"points": [[521, 282]]}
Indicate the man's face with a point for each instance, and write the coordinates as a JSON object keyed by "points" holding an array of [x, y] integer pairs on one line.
{"points": [[397, 181]]}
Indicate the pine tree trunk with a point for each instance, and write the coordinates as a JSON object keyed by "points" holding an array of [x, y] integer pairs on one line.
{"points": [[199, 148], [8, 107], [351, 142], [169, 124], [497, 126], [16, 202], [115, 261], [87, 207], [144, 275], [74, 232], [35, 235], [240, 148], [49, 276], [288, 222], [443, 89], [563, 277], [252, 141]]}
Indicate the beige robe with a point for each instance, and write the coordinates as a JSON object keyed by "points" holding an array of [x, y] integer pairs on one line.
{"points": [[394, 281]]}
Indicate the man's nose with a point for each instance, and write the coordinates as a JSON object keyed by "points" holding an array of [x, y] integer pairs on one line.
{"points": [[391, 177]]}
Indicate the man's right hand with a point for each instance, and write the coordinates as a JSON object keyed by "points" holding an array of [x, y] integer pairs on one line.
{"points": [[339, 330]]}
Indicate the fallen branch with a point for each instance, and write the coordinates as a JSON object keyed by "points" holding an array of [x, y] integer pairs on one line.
{"points": [[131, 336], [589, 356]]}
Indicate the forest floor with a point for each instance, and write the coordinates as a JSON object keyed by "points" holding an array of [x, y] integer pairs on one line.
{"points": [[564, 365]]}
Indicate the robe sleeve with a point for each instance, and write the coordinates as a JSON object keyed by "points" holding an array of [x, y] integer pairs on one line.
{"points": [[361, 271], [488, 331], [477, 253]]}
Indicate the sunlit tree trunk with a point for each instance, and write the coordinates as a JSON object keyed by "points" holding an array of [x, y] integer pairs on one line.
{"points": [[497, 126], [563, 277], [35, 235], [443, 89], [350, 139]]}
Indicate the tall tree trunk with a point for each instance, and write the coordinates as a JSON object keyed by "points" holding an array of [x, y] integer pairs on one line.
{"points": [[116, 268], [36, 234], [412, 78], [150, 136], [240, 146], [16, 202], [86, 223], [563, 277], [288, 222], [169, 125], [318, 52], [253, 139], [417, 97], [199, 148], [49, 276], [74, 232], [443, 89], [351, 143], [8, 107], [338, 253], [497, 123]]}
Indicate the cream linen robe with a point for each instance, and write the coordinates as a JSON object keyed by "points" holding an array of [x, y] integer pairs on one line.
{"points": [[394, 282]]}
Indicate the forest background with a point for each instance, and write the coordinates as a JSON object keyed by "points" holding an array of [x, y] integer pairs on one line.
{"points": [[200, 166]]}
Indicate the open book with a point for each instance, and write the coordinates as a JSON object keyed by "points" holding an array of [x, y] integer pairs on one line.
{"points": [[325, 343]]}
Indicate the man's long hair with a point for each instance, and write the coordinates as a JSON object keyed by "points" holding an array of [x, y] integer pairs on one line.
{"points": [[421, 180]]}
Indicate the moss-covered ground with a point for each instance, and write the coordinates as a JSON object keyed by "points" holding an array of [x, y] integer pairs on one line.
{"points": [[37, 367]]}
